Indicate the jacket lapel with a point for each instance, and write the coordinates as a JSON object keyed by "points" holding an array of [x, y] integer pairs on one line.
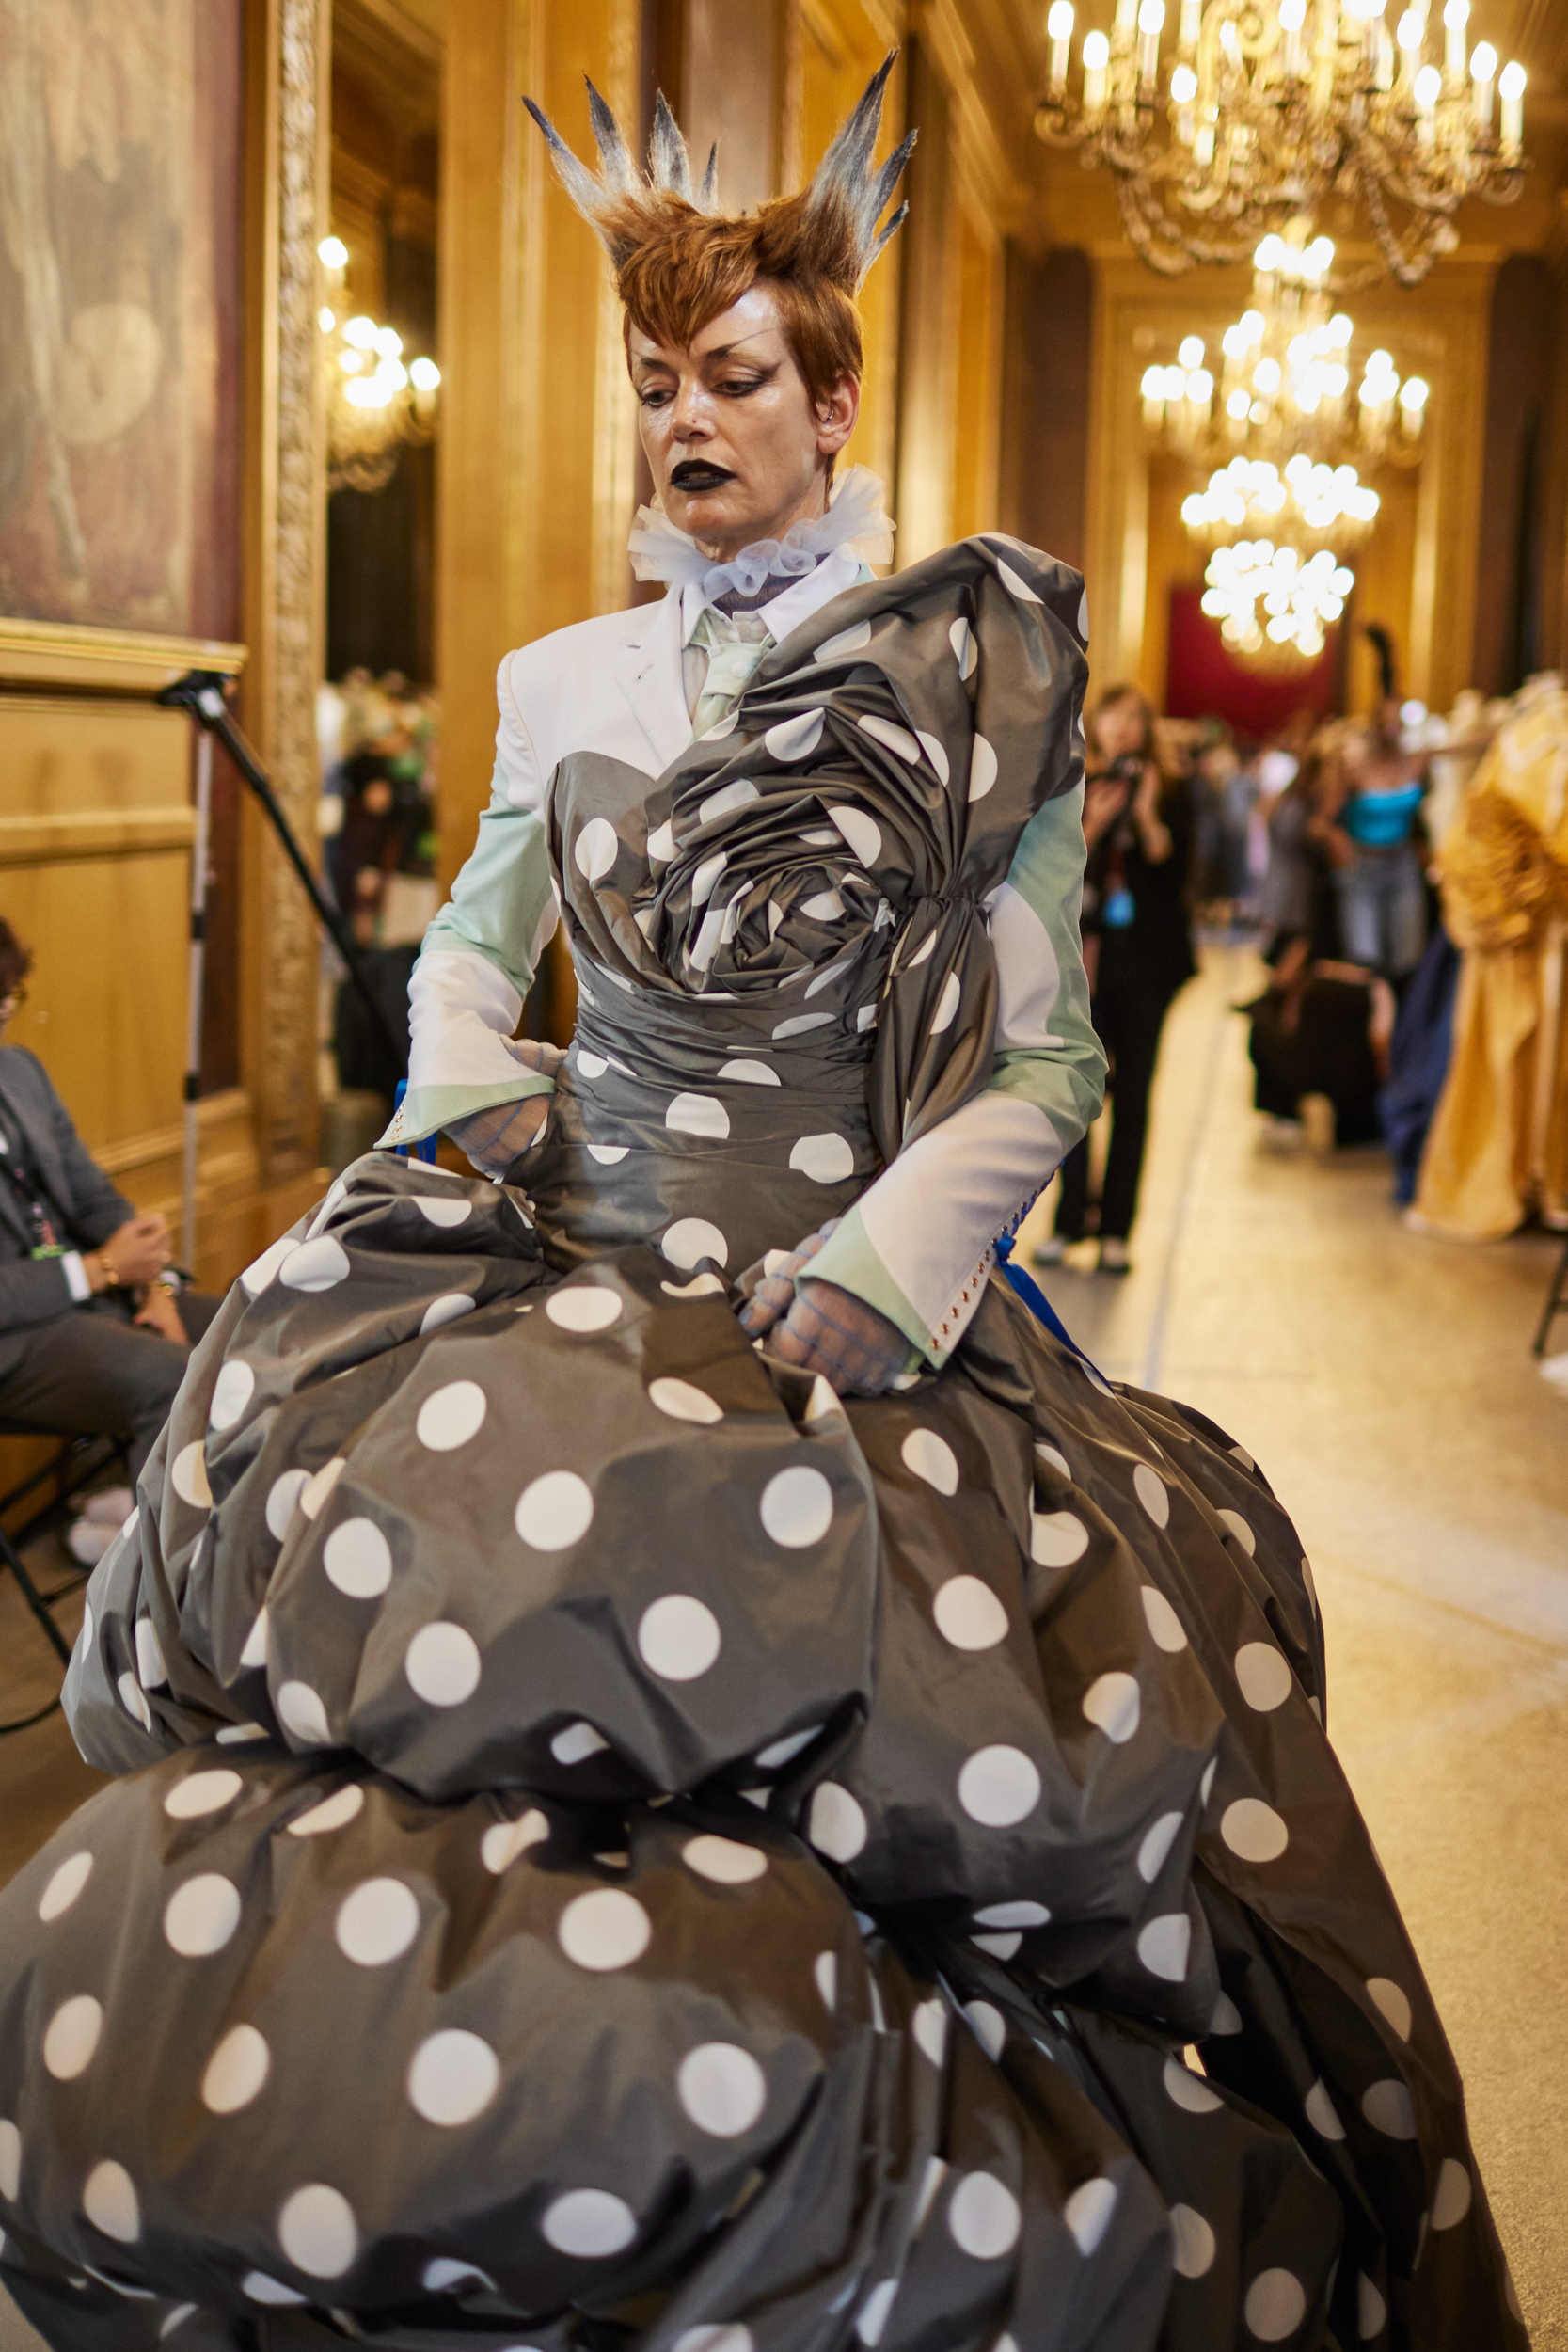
{"points": [[648, 671]]}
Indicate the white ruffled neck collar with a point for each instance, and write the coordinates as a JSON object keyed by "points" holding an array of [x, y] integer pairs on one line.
{"points": [[856, 520]]}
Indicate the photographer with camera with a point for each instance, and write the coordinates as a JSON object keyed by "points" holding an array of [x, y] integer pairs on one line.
{"points": [[1137, 951]]}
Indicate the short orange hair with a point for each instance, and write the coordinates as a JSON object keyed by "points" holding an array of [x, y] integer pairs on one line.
{"points": [[678, 268]]}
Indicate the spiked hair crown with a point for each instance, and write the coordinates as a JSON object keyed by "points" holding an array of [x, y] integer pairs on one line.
{"points": [[679, 260]]}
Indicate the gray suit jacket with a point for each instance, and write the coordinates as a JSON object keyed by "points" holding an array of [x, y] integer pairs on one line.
{"points": [[35, 1290]]}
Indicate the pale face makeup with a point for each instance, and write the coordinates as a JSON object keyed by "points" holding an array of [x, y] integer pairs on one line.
{"points": [[737, 449]]}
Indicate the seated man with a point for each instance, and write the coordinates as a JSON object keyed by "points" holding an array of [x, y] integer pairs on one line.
{"points": [[93, 1333]]}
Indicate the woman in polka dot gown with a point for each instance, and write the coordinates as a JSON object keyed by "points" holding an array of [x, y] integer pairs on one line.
{"points": [[637, 1831]]}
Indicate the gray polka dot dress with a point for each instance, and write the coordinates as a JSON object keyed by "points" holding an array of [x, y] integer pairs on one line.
{"points": [[614, 1847]]}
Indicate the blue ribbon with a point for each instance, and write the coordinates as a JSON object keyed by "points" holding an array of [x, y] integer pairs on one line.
{"points": [[1035, 1299]]}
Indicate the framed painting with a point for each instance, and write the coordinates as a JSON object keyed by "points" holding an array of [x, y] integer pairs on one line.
{"points": [[119, 289]]}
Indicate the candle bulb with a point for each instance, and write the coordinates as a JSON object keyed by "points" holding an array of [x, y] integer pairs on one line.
{"points": [[1191, 24], [1483, 66], [1127, 16], [1151, 18], [1058, 24], [1428, 89], [1456, 16], [1511, 90], [1292, 16], [1097, 57]]}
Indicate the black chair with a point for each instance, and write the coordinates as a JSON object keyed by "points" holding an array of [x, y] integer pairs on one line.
{"points": [[78, 1461], [1557, 1303]]}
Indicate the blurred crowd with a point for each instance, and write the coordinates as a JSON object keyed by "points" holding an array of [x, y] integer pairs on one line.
{"points": [[1352, 853]]}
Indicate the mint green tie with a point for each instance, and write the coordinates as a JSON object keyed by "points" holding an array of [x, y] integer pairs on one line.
{"points": [[733, 655]]}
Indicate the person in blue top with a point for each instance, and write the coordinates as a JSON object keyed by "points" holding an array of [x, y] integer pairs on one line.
{"points": [[1372, 832]]}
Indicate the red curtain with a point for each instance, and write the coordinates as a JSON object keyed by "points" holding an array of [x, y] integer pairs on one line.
{"points": [[1203, 679]]}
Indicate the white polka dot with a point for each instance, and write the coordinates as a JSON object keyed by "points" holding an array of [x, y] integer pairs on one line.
{"points": [[316, 1489], [797, 1507], [336, 1192], [1387, 2107], [377, 1922], [1393, 2002], [847, 641], [334, 1812], [983, 2216], [1371, 2311], [452, 2078], [961, 637], [503, 1841], [750, 1074], [947, 1004], [589, 2222], [1019, 1914], [554, 1511], [1263, 1675], [792, 739], [1320, 2113], [317, 2231], [67, 1883], [576, 1743], [608, 1154], [71, 2037], [1239, 1528], [1113, 1704], [256, 1641], [446, 1309], [691, 1239], [442, 1208], [1227, 2017], [188, 1477], [282, 1497], [860, 831], [254, 1280], [1311, 1587], [700, 1286], [824, 1969], [936, 752], [999, 1787], [932, 1458], [722, 2089], [1165, 1943], [874, 2313], [1254, 1831], [799, 1023], [1057, 1538], [728, 797], [1276, 2306], [929, 2022], [358, 1559], [837, 1825], [734, 2338], [1013, 584], [109, 2202], [258, 2288], [1193, 2245], [678, 1637], [236, 2071], [201, 1916], [698, 1115], [1152, 1493], [724, 1860], [982, 769], [231, 1392], [442, 1663], [133, 1699], [300, 1710], [450, 1416], [1053, 1462], [595, 849], [967, 1614], [986, 2023], [1206, 1786], [1156, 1846], [826, 906], [897, 738], [200, 1793], [605, 1928], [826, 1159], [10, 2160], [683, 1402], [1452, 2201], [661, 844], [591, 1065], [315, 1265], [1188, 2091], [1084, 616], [999, 1946], [1163, 1621]]}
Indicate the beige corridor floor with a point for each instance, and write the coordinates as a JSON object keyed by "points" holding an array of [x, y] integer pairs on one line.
{"points": [[1385, 1382]]}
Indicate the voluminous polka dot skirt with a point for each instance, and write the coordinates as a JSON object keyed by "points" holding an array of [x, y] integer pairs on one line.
{"points": [[614, 1848]]}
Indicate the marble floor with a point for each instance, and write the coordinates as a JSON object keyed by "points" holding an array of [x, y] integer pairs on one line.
{"points": [[1384, 1381]]}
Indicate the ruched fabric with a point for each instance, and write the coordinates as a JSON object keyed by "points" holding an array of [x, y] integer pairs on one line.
{"points": [[616, 1847]]}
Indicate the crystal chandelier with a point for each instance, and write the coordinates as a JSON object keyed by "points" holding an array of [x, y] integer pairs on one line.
{"points": [[374, 401], [1268, 107], [1269, 601]]}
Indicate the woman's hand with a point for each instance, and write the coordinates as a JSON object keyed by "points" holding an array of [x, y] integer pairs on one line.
{"points": [[822, 1328], [1153, 832], [158, 1311], [1103, 800], [493, 1139]]}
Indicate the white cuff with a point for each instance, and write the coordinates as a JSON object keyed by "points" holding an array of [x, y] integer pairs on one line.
{"points": [[77, 1275]]}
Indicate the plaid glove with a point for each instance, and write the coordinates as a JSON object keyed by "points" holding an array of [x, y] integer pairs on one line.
{"points": [[825, 1329], [492, 1138]]}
